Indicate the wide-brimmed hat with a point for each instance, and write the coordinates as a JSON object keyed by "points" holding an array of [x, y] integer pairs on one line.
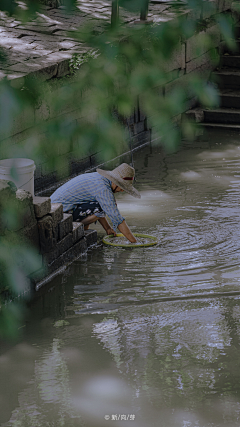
{"points": [[123, 177]]}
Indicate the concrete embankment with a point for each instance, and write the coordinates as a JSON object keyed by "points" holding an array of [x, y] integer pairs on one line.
{"points": [[43, 49], [56, 238]]}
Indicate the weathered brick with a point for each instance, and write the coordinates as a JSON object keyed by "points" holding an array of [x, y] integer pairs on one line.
{"points": [[177, 60], [56, 212], [91, 237], [64, 244], [78, 231], [47, 240], [209, 8], [72, 253], [30, 235], [227, 4], [42, 206], [65, 226], [201, 61], [139, 127], [63, 68], [61, 247], [56, 232], [7, 193], [24, 205], [197, 46]]}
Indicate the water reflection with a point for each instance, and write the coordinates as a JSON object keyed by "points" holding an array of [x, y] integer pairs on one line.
{"points": [[99, 343]]}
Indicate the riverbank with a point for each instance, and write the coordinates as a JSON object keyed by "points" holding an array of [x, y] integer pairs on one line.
{"points": [[44, 48], [53, 235], [114, 336]]}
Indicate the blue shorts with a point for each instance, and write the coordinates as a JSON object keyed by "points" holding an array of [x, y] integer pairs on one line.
{"points": [[85, 209]]}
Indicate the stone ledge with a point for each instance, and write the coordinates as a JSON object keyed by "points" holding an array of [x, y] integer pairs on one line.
{"points": [[65, 226], [78, 231], [91, 237], [74, 252], [56, 212], [42, 206]]}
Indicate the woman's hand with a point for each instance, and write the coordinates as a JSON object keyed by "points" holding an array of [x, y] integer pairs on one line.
{"points": [[125, 230], [111, 231]]}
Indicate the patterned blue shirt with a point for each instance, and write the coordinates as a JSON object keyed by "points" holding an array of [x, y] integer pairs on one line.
{"points": [[89, 187]]}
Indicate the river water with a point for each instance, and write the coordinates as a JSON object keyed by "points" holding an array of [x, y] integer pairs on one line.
{"points": [[144, 336]]}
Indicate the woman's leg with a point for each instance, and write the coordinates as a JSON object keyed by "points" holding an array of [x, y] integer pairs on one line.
{"points": [[88, 220], [85, 213]]}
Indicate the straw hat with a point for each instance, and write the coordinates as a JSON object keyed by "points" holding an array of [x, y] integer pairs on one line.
{"points": [[122, 176]]}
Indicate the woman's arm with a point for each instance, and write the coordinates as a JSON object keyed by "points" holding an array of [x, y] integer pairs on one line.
{"points": [[104, 223], [125, 230]]}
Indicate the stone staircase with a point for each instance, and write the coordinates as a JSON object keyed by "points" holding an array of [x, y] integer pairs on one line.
{"points": [[227, 77], [52, 234], [60, 239]]}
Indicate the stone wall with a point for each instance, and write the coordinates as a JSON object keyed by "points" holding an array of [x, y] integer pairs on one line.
{"points": [[188, 60], [42, 224]]}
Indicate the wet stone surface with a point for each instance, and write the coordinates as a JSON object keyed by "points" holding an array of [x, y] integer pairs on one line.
{"points": [[45, 42]]}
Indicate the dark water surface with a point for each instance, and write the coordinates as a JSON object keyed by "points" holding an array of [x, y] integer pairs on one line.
{"points": [[101, 346]]}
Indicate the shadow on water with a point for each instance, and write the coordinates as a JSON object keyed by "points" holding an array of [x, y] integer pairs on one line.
{"points": [[145, 336]]}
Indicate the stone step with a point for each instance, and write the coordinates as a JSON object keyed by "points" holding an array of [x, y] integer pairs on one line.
{"points": [[230, 99], [91, 237], [65, 226], [227, 78], [237, 31], [231, 61], [232, 51], [222, 115], [220, 126], [42, 206]]}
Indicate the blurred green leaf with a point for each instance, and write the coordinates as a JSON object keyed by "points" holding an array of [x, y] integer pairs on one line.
{"points": [[226, 26]]}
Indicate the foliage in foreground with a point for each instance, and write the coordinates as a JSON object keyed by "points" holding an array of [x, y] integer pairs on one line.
{"points": [[126, 66]]}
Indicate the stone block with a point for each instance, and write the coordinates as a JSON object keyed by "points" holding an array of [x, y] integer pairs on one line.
{"points": [[47, 239], [42, 206], [41, 112], [227, 4], [141, 139], [7, 195], [56, 232], [91, 237], [61, 247], [142, 116], [72, 253], [30, 235], [23, 205], [63, 68], [198, 44], [177, 60], [131, 119], [199, 62], [7, 190], [220, 5], [64, 244], [78, 231], [56, 212], [65, 226], [209, 8], [138, 127], [20, 122], [47, 72]]}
